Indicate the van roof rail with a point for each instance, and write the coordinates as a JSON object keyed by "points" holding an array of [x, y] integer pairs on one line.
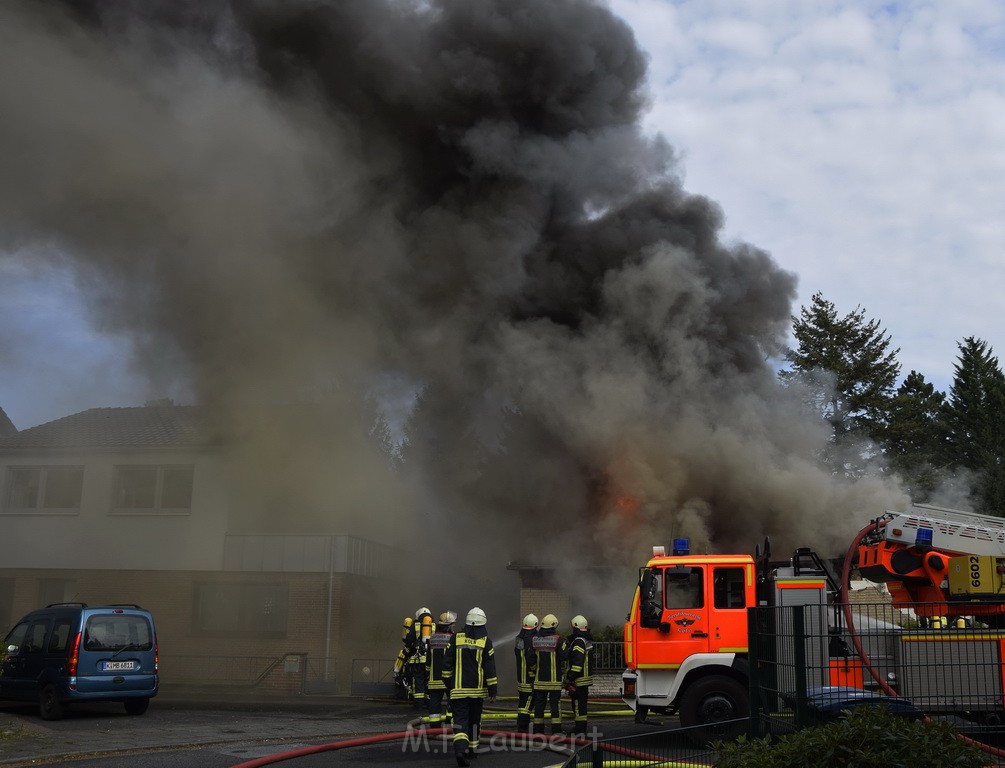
{"points": [[121, 605], [57, 605]]}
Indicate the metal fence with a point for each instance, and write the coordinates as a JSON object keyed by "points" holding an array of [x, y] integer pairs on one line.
{"points": [[372, 677], [808, 665], [608, 656], [293, 673]]}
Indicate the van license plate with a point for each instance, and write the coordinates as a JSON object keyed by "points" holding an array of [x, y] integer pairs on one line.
{"points": [[117, 666]]}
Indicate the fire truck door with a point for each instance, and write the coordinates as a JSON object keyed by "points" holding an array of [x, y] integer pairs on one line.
{"points": [[676, 625]]}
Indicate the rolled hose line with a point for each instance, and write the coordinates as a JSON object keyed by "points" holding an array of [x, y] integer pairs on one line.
{"points": [[857, 641], [552, 743]]}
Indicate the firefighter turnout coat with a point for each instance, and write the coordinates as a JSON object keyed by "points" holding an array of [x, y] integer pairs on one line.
{"points": [[469, 664], [439, 641], [524, 650], [549, 658], [579, 648]]}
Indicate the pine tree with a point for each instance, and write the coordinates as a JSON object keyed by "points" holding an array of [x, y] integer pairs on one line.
{"points": [[846, 366], [913, 435], [974, 415]]}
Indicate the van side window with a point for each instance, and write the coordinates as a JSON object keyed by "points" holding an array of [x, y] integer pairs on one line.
{"points": [[15, 638], [35, 640], [60, 636]]}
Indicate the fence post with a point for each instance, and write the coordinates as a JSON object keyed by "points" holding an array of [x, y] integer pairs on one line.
{"points": [[598, 755], [754, 680], [799, 659]]}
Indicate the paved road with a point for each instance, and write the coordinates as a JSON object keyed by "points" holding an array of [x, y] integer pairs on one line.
{"points": [[224, 734]]}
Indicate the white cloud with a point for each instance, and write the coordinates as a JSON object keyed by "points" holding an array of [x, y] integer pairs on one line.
{"points": [[862, 144]]}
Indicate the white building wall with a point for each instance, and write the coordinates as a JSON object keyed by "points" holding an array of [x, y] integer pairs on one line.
{"points": [[99, 537]]}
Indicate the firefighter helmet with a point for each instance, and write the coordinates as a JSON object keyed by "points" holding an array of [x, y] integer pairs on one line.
{"points": [[448, 617], [530, 621], [579, 622], [422, 612], [549, 622], [476, 617]]}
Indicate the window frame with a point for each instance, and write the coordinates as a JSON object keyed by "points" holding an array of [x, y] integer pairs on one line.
{"points": [[40, 508], [158, 508]]}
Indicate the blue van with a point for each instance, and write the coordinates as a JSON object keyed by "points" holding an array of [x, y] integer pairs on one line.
{"points": [[71, 652]]}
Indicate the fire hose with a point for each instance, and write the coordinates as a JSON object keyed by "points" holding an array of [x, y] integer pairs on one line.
{"points": [[552, 743], [857, 641]]}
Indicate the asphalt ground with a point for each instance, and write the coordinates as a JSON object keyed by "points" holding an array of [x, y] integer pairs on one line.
{"points": [[220, 734]]}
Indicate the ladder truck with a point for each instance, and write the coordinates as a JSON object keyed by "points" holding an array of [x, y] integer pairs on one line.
{"points": [[686, 634]]}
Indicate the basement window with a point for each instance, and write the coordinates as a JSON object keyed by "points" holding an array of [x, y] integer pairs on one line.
{"points": [[143, 488], [49, 489]]}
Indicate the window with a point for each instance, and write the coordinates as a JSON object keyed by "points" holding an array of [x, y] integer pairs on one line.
{"points": [[35, 640], [60, 636], [44, 489], [107, 632], [15, 637], [241, 609], [729, 588], [684, 587], [56, 591], [153, 488]]}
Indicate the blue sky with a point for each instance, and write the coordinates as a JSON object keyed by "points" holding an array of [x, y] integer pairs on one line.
{"points": [[861, 144]]}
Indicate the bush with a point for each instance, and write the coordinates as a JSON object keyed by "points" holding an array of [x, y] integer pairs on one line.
{"points": [[867, 737]]}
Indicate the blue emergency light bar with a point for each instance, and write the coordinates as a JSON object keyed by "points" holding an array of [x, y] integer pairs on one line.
{"points": [[681, 546], [923, 538]]}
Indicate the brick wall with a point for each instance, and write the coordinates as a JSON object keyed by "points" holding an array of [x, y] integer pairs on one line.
{"points": [[543, 601]]}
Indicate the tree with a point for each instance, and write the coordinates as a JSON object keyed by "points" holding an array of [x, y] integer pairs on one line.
{"points": [[974, 415], [846, 366], [913, 434]]}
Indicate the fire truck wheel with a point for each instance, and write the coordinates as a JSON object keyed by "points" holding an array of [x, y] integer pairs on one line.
{"points": [[712, 702]]}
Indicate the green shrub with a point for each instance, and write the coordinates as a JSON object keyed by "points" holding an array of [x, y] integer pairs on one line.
{"points": [[867, 737]]}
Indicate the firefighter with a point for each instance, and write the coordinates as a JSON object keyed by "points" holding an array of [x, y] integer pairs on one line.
{"points": [[469, 670], [578, 678], [439, 641], [402, 673], [524, 651], [418, 648], [549, 658]]}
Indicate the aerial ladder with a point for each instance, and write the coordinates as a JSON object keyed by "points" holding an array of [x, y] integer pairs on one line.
{"points": [[939, 562]]}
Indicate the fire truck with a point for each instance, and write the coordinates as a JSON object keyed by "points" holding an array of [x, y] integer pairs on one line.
{"points": [[686, 635]]}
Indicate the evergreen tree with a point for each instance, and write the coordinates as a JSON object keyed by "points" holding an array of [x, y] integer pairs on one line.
{"points": [[847, 367], [974, 415], [913, 435]]}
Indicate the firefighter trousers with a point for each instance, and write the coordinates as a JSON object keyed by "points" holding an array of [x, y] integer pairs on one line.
{"points": [[524, 701], [467, 713], [542, 697], [434, 696], [419, 680], [580, 697]]}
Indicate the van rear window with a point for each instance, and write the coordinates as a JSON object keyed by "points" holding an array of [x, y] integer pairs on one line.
{"points": [[117, 632]]}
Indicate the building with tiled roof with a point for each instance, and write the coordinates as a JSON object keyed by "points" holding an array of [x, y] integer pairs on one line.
{"points": [[140, 505], [6, 425]]}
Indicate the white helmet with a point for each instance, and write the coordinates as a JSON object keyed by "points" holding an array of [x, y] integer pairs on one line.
{"points": [[476, 617], [422, 612], [579, 622], [530, 621], [549, 622]]}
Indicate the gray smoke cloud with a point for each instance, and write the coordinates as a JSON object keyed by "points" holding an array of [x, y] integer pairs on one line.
{"points": [[272, 197]]}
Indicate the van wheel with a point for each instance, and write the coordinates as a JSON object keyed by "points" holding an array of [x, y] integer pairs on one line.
{"points": [[136, 706], [49, 705], [708, 706]]}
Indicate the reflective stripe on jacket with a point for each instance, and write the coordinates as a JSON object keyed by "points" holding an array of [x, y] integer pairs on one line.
{"points": [[469, 665], [580, 649]]}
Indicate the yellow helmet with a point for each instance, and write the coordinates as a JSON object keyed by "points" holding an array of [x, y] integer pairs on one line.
{"points": [[549, 622], [579, 622], [530, 621], [448, 617]]}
